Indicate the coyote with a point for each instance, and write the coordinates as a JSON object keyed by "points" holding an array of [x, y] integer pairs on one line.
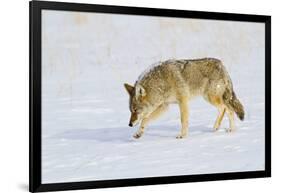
{"points": [[178, 81]]}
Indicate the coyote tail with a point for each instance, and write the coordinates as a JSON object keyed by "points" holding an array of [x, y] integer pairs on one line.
{"points": [[232, 102]]}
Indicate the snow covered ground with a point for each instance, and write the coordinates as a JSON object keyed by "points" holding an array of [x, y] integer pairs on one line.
{"points": [[87, 58]]}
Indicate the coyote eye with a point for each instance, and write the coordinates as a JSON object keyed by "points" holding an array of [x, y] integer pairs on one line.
{"points": [[139, 110]]}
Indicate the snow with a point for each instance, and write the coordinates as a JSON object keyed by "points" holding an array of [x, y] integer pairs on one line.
{"points": [[87, 58]]}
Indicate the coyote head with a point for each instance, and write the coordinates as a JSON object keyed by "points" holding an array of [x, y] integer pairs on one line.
{"points": [[139, 105]]}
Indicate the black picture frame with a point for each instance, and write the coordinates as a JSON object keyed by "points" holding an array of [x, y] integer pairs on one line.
{"points": [[35, 184]]}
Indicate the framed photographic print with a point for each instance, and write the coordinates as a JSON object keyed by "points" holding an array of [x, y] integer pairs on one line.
{"points": [[101, 78]]}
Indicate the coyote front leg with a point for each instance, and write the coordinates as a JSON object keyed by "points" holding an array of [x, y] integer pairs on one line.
{"points": [[184, 118], [160, 110]]}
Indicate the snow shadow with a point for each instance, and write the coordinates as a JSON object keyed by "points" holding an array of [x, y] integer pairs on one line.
{"points": [[123, 134], [116, 134]]}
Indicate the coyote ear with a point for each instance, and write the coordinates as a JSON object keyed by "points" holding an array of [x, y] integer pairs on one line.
{"points": [[140, 91], [129, 88]]}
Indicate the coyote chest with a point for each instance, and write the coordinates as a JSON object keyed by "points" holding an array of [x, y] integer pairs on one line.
{"points": [[178, 81]]}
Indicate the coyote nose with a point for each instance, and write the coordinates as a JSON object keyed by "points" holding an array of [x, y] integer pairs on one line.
{"points": [[130, 124]]}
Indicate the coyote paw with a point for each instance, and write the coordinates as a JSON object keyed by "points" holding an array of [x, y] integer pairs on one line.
{"points": [[181, 136], [137, 135], [229, 130], [215, 129]]}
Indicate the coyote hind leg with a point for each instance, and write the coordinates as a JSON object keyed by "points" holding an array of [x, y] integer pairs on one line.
{"points": [[219, 118], [230, 114], [218, 103]]}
